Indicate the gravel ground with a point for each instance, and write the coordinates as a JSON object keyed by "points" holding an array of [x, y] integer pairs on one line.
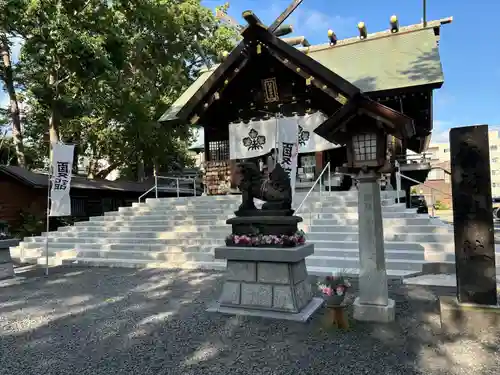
{"points": [[100, 321]]}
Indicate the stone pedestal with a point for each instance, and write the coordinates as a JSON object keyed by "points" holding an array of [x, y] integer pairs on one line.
{"points": [[373, 303], [468, 318], [269, 282]]}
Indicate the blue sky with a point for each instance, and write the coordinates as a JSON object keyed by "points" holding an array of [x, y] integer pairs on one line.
{"points": [[469, 49], [470, 52]]}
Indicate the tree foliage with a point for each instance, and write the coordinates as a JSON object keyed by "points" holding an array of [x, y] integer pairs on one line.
{"points": [[99, 73]]}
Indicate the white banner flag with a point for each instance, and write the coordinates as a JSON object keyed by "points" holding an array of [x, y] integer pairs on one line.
{"points": [[288, 147], [251, 140], [62, 164], [309, 141]]}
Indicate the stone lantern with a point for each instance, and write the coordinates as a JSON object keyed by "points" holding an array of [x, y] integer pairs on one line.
{"points": [[366, 142]]}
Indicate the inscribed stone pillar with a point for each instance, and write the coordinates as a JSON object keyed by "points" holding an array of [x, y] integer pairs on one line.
{"points": [[472, 215], [373, 303]]}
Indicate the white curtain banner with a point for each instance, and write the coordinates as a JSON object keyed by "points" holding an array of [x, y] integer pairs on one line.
{"points": [[62, 164], [251, 140], [309, 141], [288, 147], [258, 138]]}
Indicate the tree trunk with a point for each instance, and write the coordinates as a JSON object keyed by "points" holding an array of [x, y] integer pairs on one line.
{"points": [[140, 169], [53, 119], [15, 114]]}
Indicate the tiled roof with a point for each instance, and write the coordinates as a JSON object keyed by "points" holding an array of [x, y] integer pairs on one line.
{"points": [[40, 180], [381, 62]]}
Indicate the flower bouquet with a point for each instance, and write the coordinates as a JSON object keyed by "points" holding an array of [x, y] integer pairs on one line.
{"points": [[334, 289], [269, 240]]}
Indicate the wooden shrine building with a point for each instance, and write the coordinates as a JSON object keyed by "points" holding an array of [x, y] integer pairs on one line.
{"points": [[387, 76]]}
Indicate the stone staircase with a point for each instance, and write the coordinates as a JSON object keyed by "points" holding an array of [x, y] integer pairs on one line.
{"points": [[182, 233]]}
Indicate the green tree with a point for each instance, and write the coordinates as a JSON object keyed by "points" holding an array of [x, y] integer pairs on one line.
{"points": [[10, 27], [113, 68]]}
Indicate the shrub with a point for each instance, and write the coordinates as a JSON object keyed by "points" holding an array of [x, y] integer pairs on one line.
{"points": [[441, 205]]}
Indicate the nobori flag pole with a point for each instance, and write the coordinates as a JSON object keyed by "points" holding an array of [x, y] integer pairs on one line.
{"points": [[49, 185]]}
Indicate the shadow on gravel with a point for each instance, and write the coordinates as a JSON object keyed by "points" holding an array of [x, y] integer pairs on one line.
{"points": [[121, 321]]}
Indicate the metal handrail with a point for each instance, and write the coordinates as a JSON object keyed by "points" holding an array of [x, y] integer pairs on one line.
{"points": [[146, 193], [430, 187], [442, 169], [177, 179], [319, 179]]}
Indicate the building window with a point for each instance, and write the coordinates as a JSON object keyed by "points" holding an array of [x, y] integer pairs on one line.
{"points": [[494, 160], [218, 150], [493, 147], [446, 150], [307, 167]]}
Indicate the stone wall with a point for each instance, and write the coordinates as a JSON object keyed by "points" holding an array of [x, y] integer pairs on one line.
{"points": [[268, 285]]}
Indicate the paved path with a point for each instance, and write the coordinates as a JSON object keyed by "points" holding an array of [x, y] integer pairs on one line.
{"points": [[116, 321]]}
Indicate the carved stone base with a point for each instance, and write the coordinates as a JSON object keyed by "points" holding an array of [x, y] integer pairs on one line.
{"points": [[266, 225], [263, 280]]}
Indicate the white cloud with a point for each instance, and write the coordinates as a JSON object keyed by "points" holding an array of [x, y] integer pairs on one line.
{"points": [[440, 137], [441, 131], [440, 124]]}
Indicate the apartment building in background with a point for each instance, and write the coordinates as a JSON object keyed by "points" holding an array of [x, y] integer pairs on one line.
{"points": [[439, 156]]}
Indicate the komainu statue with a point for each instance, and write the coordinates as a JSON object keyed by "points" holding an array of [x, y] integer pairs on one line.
{"points": [[275, 190]]}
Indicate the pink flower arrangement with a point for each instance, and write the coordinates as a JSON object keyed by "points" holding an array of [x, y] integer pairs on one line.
{"points": [[333, 286], [258, 240]]}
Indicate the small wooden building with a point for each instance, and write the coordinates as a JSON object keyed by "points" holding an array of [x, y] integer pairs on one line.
{"points": [[392, 71], [25, 191]]}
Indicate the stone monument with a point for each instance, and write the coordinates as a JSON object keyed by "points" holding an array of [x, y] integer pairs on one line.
{"points": [[266, 272], [475, 308]]}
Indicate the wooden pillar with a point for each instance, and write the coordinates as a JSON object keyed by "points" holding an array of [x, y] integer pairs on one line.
{"points": [[472, 215], [319, 163]]}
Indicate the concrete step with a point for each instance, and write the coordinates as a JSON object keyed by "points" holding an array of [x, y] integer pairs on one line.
{"points": [[216, 233], [221, 233], [414, 221], [353, 262], [217, 210], [417, 255], [163, 256], [347, 195], [156, 228], [164, 223], [222, 221], [325, 201], [388, 245], [66, 242], [162, 228], [215, 265], [388, 229], [218, 216], [405, 237], [132, 263], [354, 272]]}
